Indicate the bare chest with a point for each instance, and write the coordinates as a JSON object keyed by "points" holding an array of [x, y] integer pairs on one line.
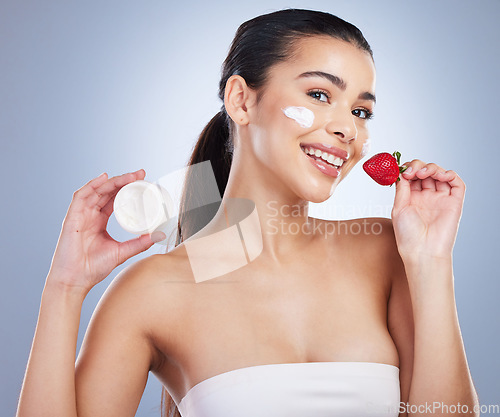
{"points": [[299, 314]]}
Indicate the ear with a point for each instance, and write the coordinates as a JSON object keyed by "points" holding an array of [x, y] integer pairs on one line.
{"points": [[238, 98]]}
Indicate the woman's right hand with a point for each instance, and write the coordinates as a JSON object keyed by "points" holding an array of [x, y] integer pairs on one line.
{"points": [[85, 253]]}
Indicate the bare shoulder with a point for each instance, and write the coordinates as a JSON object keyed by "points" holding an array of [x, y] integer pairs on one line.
{"points": [[367, 245], [144, 283], [135, 281], [133, 293], [119, 347], [372, 229], [146, 291], [373, 235], [379, 241]]}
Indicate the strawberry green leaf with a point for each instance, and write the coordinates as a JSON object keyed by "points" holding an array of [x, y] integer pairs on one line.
{"points": [[397, 155]]}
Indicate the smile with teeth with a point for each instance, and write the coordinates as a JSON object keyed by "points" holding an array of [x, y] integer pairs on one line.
{"points": [[325, 156]]}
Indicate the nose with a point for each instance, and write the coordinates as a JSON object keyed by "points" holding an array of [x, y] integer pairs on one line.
{"points": [[342, 126]]}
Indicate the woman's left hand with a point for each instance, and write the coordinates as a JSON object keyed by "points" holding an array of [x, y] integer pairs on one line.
{"points": [[427, 210]]}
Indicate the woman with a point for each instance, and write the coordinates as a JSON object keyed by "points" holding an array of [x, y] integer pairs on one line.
{"points": [[325, 321]]}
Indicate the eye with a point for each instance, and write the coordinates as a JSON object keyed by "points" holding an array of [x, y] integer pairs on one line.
{"points": [[363, 113], [319, 95]]}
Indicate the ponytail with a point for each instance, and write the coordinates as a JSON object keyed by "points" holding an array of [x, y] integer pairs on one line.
{"points": [[214, 144]]}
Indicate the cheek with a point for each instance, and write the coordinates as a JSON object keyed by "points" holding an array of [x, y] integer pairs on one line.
{"points": [[302, 115], [276, 132], [365, 148]]}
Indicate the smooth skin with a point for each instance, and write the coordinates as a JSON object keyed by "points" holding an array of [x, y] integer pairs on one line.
{"points": [[344, 296]]}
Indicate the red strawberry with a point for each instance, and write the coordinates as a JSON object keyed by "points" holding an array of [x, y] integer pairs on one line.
{"points": [[384, 168]]}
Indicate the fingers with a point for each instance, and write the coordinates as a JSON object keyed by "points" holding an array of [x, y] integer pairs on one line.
{"points": [[457, 185], [403, 192], [90, 187], [134, 246], [418, 169], [107, 191], [110, 189], [416, 185], [431, 177], [80, 196], [99, 191], [108, 207]]}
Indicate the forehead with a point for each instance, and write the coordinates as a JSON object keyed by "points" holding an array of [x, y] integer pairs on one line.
{"points": [[334, 56]]}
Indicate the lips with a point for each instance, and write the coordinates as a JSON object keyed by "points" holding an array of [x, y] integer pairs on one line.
{"points": [[324, 147], [327, 158], [323, 166]]}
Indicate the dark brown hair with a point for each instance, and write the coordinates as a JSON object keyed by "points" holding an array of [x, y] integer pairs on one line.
{"points": [[258, 45]]}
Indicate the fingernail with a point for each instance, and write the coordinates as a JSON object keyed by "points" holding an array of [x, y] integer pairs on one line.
{"points": [[408, 170], [157, 236], [423, 170]]}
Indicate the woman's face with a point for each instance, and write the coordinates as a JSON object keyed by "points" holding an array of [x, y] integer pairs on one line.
{"points": [[331, 82]]}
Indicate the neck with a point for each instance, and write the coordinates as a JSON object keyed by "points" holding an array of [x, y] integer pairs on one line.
{"points": [[280, 216]]}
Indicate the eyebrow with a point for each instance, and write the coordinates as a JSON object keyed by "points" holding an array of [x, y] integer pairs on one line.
{"points": [[337, 81]]}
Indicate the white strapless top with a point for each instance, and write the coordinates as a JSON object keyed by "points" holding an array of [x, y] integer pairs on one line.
{"points": [[317, 389]]}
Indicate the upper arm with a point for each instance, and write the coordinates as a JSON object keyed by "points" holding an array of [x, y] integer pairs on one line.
{"points": [[116, 354], [400, 315]]}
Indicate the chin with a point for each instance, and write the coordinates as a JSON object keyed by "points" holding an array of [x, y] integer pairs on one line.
{"points": [[320, 195]]}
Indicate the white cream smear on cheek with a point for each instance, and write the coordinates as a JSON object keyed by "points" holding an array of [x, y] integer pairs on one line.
{"points": [[366, 148], [304, 117]]}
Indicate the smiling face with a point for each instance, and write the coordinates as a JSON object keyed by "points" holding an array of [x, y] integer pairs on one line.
{"points": [[335, 81]]}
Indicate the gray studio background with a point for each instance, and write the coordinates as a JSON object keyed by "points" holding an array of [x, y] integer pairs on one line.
{"points": [[116, 86]]}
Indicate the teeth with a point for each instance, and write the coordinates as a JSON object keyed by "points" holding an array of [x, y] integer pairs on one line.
{"points": [[325, 156]]}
